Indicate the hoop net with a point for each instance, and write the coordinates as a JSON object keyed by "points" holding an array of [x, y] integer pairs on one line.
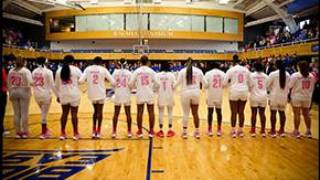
{"points": [[140, 49]]}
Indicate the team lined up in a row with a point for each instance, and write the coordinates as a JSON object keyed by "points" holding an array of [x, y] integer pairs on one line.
{"points": [[147, 83]]}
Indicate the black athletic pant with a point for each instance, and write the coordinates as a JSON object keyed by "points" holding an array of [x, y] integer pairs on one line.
{"points": [[3, 103]]}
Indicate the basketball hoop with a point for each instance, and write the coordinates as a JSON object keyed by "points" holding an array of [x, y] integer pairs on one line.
{"points": [[140, 49]]}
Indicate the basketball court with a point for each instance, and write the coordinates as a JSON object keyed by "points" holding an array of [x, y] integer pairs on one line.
{"points": [[171, 30], [157, 158]]}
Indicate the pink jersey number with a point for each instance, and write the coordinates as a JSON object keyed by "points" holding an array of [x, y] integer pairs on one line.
{"points": [[216, 83], [260, 83], [38, 80], [144, 80], [16, 80], [121, 81], [240, 78], [95, 78], [305, 84]]}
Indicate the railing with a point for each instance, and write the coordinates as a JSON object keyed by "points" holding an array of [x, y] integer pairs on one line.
{"points": [[306, 47], [284, 44]]}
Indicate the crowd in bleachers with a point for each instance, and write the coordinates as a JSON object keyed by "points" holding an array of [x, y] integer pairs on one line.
{"points": [[14, 37], [280, 35]]}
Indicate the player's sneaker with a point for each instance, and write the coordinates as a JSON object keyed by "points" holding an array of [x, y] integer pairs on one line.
{"points": [[151, 133], [160, 134], [233, 133], [76, 136], [253, 132], [98, 135], [63, 136], [94, 134], [281, 133], [263, 133], [18, 135], [129, 134], [24, 135], [114, 135], [197, 134], [5, 132], [184, 135], [219, 132], [42, 136], [170, 133], [139, 134], [296, 134], [308, 134], [240, 133], [210, 133], [273, 133]]}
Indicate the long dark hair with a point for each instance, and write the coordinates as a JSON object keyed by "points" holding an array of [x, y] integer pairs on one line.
{"points": [[65, 71], [189, 71], [304, 68], [235, 59], [122, 62], [41, 61], [282, 70], [20, 62], [258, 66], [165, 66], [97, 60]]}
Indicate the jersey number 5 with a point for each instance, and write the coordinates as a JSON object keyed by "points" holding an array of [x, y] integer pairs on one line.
{"points": [[305, 84]]}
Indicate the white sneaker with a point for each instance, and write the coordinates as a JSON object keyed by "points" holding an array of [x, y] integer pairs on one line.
{"points": [[210, 133], [219, 133], [129, 135], [197, 134], [18, 136], [76, 137], [6, 132], [233, 133], [93, 135], [98, 135], [24, 135], [114, 135], [308, 134], [184, 135], [63, 137]]}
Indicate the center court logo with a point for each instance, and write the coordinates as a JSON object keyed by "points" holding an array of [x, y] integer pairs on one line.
{"points": [[50, 164]]}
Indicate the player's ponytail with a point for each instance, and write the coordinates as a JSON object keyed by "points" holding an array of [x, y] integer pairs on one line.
{"points": [[282, 71], [122, 63], [65, 71], [258, 66], [304, 68], [189, 71], [41, 61], [20, 62]]}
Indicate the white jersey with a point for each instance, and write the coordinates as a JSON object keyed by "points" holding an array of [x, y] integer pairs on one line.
{"points": [[122, 91], [166, 89], [258, 88], [302, 88], [237, 77], [197, 78], [19, 82], [95, 77], [68, 91], [215, 78], [144, 78], [43, 83], [277, 94]]}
